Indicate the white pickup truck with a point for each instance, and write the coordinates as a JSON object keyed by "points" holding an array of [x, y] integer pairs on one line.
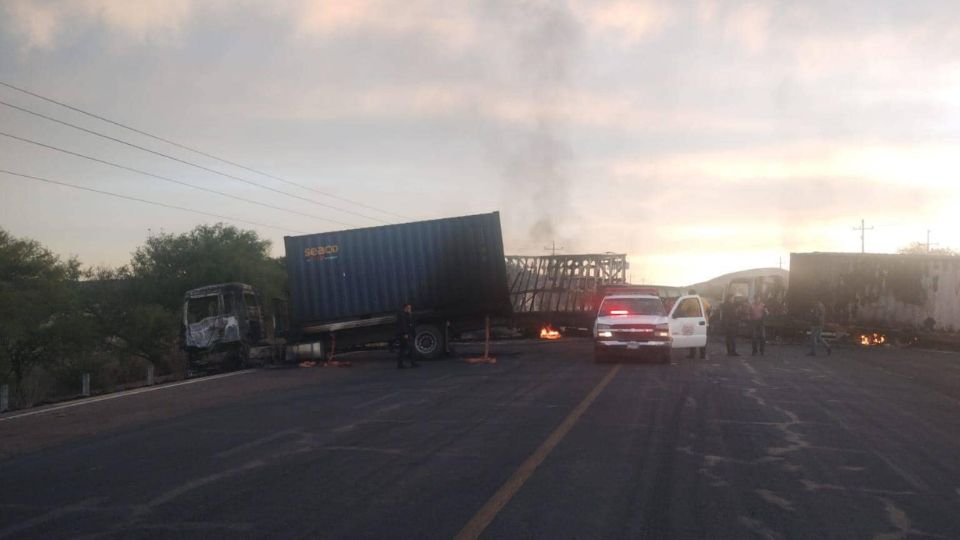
{"points": [[639, 323]]}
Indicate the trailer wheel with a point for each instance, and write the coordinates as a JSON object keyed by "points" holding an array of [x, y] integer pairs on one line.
{"points": [[428, 341]]}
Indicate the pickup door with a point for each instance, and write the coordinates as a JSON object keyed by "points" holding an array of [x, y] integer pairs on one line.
{"points": [[688, 325]]}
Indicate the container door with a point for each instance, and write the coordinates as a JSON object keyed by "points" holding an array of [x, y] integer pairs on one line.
{"points": [[688, 324]]}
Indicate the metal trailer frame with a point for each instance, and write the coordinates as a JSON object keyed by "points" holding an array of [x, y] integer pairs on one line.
{"points": [[561, 289]]}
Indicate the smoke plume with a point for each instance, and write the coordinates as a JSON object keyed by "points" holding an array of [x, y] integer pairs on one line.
{"points": [[541, 43]]}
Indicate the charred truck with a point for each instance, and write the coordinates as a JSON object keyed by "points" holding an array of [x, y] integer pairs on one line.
{"points": [[895, 298], [224, 326], [346, 288]]}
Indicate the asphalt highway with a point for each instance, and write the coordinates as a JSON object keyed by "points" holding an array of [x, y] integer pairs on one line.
{"points": [[543, 444]]}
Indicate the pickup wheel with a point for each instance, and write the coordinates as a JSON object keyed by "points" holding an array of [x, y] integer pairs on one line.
{"points": [[428, 341]]}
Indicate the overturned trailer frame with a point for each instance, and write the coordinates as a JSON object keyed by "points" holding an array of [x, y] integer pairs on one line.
{"points": [[560, 290]]}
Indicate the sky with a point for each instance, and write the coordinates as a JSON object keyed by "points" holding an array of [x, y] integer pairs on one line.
{"points": [[698, 137]]}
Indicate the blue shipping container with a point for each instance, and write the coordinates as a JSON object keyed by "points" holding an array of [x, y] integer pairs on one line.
{"points": [[452, 267]]}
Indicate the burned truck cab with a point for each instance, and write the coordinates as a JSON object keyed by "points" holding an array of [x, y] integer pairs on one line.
{"points": [[223, 327]]}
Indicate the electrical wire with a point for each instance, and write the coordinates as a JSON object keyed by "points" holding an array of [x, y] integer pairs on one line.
{"points": [[194, 150], [146, 201], [174, 158], [168, 179]]}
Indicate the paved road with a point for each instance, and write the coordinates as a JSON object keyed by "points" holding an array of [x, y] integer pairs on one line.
{"points": [[545, 444]]}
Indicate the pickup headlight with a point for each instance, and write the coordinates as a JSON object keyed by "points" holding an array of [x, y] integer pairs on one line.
{"points": [[663, 330], [603, 327], [604, 333]]}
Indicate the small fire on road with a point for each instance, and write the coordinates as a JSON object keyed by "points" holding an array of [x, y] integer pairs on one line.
{"points": [[873, 339], [549, 333]]}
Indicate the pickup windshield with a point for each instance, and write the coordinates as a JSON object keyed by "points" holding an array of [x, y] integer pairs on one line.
{"points": [[631, 306]]}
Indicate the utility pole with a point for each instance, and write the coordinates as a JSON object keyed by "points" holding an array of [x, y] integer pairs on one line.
{"points": [[553, 248], [928, 242], [863, 229]]}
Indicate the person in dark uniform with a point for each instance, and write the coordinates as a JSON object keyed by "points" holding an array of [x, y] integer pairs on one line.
{"points": [[757, 315], [405, 333], [730, 315], [819, 317]]}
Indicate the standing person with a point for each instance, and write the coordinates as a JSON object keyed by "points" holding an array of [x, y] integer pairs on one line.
{"points": [[730, 318], [758, 315], [819, 317], [405, 333]]}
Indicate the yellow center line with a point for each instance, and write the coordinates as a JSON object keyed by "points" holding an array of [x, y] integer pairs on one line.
{"points": [[482, 519]]}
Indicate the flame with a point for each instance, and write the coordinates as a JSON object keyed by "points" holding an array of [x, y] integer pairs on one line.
{"points": [[549, 333], [873, 339]]}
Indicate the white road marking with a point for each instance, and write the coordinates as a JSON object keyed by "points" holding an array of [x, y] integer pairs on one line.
{"points": [[123, 394], [175, 493], [375, 400], [775, 499], [760, 528], [262, 440]]}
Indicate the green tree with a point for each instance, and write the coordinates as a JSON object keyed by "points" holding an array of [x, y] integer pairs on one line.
{"points": [[40, 320], [169, 265], [920, 248], [128, 323]]}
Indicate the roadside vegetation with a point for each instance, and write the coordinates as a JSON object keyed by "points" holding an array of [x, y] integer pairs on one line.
{"points": [[59, 320]]}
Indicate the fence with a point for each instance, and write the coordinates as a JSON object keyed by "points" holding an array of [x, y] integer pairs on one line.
{"points": [[84, 386]]}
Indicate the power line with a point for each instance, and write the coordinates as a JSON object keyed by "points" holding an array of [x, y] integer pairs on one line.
{"points": [[172, 180], [174, 158], [146, 201], [194, 150]]}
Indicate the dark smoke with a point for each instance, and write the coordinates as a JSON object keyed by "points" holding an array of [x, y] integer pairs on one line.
{"points": [[542, 39]]}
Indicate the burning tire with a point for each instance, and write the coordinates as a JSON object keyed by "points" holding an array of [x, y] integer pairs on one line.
{"points": [[428, 341]]}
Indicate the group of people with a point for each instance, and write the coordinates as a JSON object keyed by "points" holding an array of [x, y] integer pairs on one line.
{"points": [[755, 313], [732, 313]]}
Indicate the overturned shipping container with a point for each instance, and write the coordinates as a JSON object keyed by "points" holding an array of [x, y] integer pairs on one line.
{"points": [[348, 285], [915, 293]]}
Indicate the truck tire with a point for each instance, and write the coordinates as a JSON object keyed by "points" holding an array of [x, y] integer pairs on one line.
{"points": [[428, 341]]}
